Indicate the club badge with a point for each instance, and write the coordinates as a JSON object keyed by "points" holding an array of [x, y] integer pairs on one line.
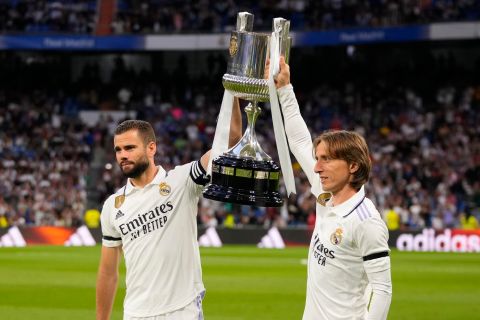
{"points": [[233, 45], [119, 200], [323, 198], [164, 189], [337, 236]]}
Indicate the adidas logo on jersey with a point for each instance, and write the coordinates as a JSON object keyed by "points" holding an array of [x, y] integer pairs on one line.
{"points": [[119, 214]]}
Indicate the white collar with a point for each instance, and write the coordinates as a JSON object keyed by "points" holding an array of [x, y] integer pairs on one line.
{"points": [[129, 187], [345, 208]]}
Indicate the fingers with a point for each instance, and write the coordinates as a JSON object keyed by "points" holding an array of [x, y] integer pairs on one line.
{"points": [[282, 62], [267, 69], [284, 68]]}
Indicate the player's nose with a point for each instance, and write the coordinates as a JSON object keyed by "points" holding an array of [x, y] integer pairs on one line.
{"points": [[318, 168], [122, 155]]}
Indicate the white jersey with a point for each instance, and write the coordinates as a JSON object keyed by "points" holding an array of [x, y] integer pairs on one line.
{"points": [[157, 229], [349, 242], [344, 238]]}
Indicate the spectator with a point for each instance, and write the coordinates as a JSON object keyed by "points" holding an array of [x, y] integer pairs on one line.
{"points": [[468, 221], [423, 135]]}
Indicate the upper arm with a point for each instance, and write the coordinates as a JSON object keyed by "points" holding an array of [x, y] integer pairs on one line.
{"points": [[371, 236], [298, 135], [235, 124], [373, 243], [110, 236], [205, 159], [109, 260], [196, 178]]}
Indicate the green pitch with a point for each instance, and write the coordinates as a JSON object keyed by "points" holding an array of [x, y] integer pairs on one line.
{"points": [[242, 283]]}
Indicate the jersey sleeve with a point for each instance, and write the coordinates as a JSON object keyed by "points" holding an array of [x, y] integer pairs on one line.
{"points": [[299, 138], [110, 236], [381, 284], [376, 262], [199, 174], [371, 236], [198, 177]]}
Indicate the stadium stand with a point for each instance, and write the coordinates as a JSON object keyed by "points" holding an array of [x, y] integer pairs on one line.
{"points": [[212, 16], [418, 108], [47, 16], [207, 16]]}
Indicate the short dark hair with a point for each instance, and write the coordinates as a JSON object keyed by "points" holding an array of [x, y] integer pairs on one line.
{"points": [[351, 147], [144, 129]]}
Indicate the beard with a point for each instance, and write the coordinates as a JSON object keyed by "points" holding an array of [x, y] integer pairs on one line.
{"points": [[137, 169]]}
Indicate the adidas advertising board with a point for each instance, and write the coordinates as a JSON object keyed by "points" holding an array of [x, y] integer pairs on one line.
{"points": [[46, 235]]}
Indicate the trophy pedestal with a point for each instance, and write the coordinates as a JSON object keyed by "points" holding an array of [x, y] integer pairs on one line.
{"points": [[244, 181]]}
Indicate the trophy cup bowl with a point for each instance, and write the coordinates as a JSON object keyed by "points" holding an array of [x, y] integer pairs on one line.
{"points": [[245, 174]]}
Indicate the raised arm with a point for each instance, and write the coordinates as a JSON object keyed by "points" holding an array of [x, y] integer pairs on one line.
{"points": [[107, 280], [235, 131], [299, 138], [235, 124]]}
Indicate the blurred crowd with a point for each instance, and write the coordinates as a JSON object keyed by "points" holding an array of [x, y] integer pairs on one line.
{"points": [[44, 160], [420, 120], [48, 16], [220, 16], [206, 16]]}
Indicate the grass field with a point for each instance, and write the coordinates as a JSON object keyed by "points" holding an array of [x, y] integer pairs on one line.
{"points": [[39, 283]]}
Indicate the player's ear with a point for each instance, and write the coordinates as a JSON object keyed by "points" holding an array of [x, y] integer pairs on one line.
{"points": [[353, 167], [152, 148]]}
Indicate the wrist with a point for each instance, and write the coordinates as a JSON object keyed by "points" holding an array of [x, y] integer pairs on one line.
{"points": [[285, 87]]}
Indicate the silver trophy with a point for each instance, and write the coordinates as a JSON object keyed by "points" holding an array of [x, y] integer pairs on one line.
{"points": [[245, 174]]}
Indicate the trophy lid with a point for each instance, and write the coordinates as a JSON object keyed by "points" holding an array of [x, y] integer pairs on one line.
{"points": [[282, 27], [245, 22]]}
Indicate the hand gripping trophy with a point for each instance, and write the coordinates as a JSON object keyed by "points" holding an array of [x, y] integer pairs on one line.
{"points": [[245, 174]]}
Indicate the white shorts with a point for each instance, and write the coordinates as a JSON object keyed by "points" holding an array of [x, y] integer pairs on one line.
{"points": [[192, 311]]}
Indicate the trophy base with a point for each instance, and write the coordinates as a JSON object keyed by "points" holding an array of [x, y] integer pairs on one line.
{"points": [[245, 181]]}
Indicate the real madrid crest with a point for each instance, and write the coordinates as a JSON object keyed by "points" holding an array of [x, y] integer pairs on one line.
{"points": [[119, 200], [164, 189], [337, 236], [323, 198], [233, 45]]}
